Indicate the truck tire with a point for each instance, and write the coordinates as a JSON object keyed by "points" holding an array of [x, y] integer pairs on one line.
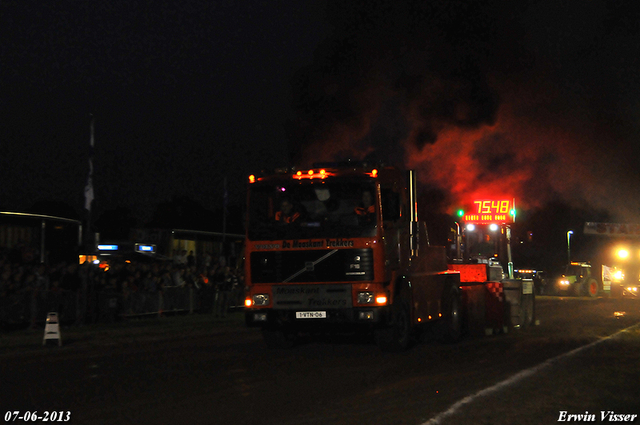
{"points": [[397, 336], [591, 288], [449, 329], [277, 338]]}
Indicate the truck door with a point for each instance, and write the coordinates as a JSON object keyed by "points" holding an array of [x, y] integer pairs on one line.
{"points": [[395, 229]]}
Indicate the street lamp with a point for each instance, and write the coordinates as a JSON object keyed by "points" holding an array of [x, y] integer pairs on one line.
{"points": [[569, 233]]}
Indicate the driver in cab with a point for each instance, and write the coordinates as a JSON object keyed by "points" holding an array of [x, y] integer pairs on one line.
{"points": [[286, 215], [366, 211]]}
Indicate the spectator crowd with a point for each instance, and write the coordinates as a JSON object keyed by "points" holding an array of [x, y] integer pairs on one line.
{"points": [[132, 287]]}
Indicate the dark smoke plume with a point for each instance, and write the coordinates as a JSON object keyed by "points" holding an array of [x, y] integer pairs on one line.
{"points": [[532, 99]]}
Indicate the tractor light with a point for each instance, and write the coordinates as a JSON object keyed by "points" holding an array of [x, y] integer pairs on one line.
{"points": [[623, 254]]}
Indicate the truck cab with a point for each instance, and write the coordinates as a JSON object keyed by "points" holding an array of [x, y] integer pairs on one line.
{"points": [[339, 246]]}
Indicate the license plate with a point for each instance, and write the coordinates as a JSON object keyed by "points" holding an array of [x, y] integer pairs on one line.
{"points": [[311, 314]]}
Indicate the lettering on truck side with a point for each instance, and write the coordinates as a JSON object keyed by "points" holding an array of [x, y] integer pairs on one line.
{"points": [[268, 246], [329, 243], [339, 243]]}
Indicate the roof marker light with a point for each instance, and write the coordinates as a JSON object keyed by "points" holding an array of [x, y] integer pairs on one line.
{"points": [[252, 178], [311, 172], [374, 173]]}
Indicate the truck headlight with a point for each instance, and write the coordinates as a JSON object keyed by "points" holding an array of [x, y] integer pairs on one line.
{"points": [[564, 282], [366, 297], [260, 299]]}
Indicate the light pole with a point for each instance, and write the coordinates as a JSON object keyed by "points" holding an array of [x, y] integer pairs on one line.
{"points": [[569, 233]]}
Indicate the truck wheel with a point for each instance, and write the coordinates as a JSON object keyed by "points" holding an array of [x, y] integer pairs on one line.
{"points": [[278, 338], [397, 335], [591, 288], [450, 327]]}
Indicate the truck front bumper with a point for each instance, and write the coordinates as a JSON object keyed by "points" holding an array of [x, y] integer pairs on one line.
{"points": [[318, 318]]}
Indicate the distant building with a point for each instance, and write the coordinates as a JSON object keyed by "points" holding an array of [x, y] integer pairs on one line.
{"points": [[39, 238]]}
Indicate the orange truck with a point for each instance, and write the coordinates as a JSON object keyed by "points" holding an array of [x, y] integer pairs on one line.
{"points": [[339, 247]]}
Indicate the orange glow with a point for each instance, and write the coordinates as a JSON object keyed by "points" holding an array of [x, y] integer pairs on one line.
{"points": [[252, 178], [85, 258], [419, 319], [323, 173], [429, 317], [381, 299], [452, 162], [248, 302], [374, 173], [523, 151]]}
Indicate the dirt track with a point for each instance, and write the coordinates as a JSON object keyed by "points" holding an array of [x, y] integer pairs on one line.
{"points": [[198, 374]]}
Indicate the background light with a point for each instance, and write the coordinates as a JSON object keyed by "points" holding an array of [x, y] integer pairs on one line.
{"points": [[107, 247], [622, 253]]}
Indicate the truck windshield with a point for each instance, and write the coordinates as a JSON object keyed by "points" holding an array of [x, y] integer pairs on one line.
{"points": [[312, 210]]}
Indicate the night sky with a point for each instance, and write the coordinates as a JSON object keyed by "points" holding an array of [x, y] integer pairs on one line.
{"points": [[183, 93], [534, 99]]}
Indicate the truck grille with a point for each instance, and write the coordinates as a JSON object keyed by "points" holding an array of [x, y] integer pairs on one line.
{"points": [[339, 265], [310, 297]]}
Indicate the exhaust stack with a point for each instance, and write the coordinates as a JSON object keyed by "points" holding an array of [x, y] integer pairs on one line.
{"points": [[413, 200]]}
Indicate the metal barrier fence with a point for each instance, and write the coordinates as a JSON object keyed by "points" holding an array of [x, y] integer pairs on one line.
{"points": [[30, 307]]}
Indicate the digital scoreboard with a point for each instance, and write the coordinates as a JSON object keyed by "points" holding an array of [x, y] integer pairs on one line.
{"points": [[488, 211]]}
